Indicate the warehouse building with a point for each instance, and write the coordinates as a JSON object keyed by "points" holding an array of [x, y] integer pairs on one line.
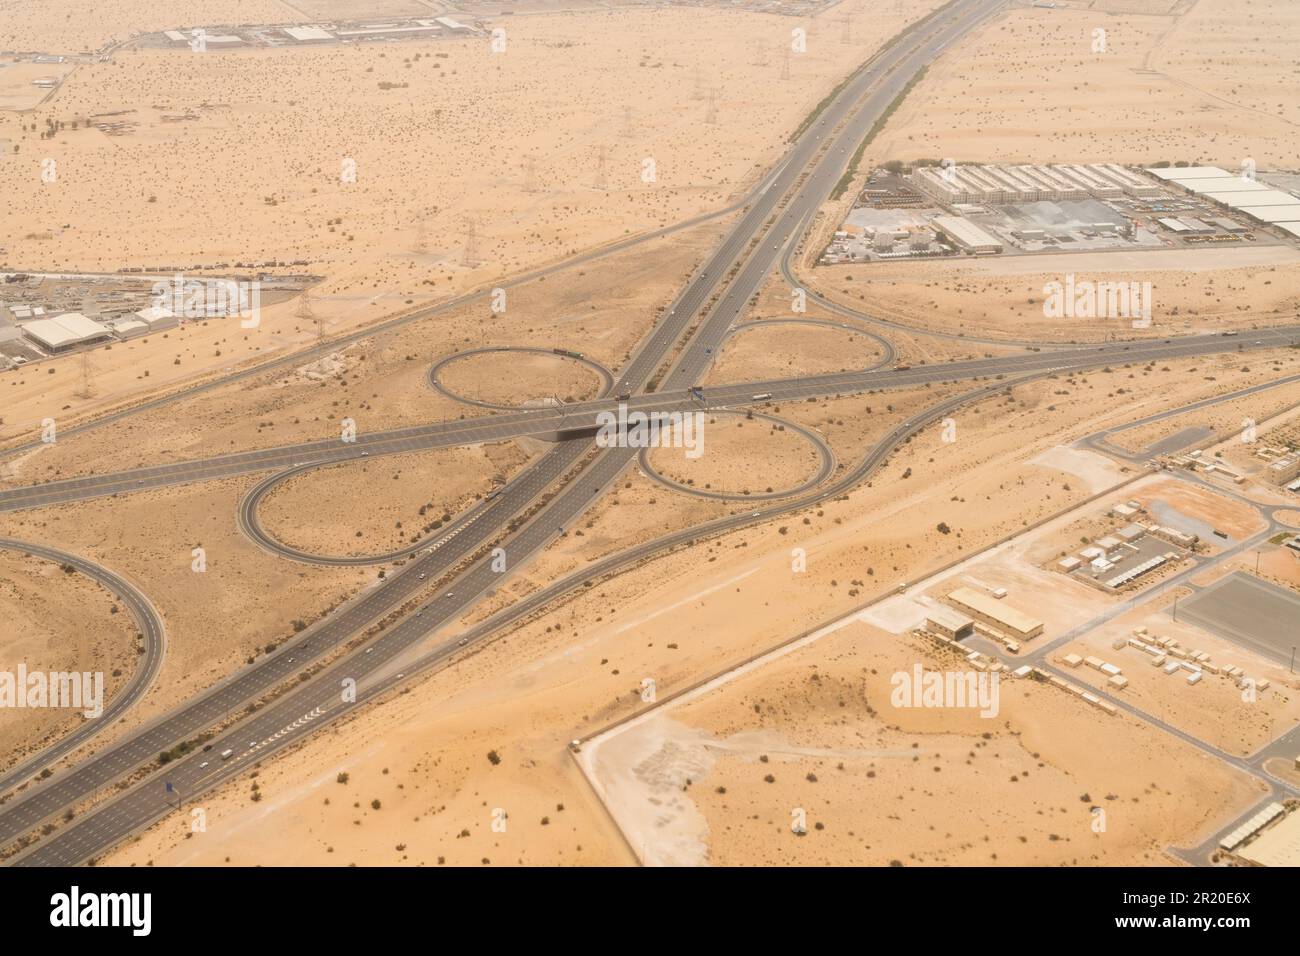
{"points": [[966, 236], [65, 332], [157, 317], [997, 613], [1279, 845], [1027, 183], [949, 623]]}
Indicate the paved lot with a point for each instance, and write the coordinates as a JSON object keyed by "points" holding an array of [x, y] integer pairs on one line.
{"points": [[1248, 612]]}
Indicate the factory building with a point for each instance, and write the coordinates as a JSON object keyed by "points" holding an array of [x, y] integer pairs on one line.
{"points": [[1028, 183], [991, 611]]}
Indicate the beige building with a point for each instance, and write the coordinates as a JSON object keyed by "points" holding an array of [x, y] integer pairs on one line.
{"points": [[996, 613]]}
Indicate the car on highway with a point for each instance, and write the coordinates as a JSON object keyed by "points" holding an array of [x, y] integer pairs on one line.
{"points": [[227, 754], [450, 594], [202, 765], [422, 576]]}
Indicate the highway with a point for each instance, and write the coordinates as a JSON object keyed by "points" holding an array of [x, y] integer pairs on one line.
{"points": [[93, 832], [153, 641], [531, 507], [579, 416]]}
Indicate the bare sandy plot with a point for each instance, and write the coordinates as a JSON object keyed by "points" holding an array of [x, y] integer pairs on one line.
{"points": [[513, 378], [814, 738], [373, 507], [786, 350], [740, 456]]}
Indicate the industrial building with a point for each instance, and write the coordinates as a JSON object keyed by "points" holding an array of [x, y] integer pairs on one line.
{"points": [[1279, 845], [156, 317], [949, 623], [1240, 193], [1017, 184], [966, 236], [65, 332], [991, 611]]}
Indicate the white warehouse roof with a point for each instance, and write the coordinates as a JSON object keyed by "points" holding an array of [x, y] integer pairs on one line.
{"points": [[1222, 184], [1288, 213], [308, 33], [64, 330], [1263, 197], [1188, 172]]}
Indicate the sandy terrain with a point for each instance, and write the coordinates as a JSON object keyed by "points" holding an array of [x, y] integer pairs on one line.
{"points": [[378, 506], [768, 456], [719, 778], [57, 621], [786, 350], [514, 378]]}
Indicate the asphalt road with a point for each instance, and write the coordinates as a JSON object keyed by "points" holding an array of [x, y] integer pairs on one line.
{"points": [[286, 719], [674, 397], [154, 638]]}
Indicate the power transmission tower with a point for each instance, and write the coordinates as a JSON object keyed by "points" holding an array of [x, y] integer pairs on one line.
{"points": [[785, 65], [530, 176], [847, 36], [602, 179], [698, 92], [470, 256], [305, 310], [421, 238], [86, 389], [711, 115], [628, 130], [760, 55]]}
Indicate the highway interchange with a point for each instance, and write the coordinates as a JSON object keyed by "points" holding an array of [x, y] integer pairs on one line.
{"points": [[530, 511]]}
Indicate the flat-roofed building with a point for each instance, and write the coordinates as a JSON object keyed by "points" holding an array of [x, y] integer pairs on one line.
{"points": [[1132, 183], [309, 34], [1231, 184], [1279, 845], [951, 624], [966, 235], [1273, 214], [999, 614], [1254, 197], [1188, 172]]}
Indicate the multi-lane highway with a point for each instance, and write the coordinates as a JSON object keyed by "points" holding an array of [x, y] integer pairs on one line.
{"points": [[534, 509], [579, 416], [737, 253]]}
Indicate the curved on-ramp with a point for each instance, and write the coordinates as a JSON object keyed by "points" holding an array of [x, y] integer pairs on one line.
{"points": [[150, 626]]}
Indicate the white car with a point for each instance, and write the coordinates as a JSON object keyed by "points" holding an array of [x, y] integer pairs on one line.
{"points": [[202, 765]]}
